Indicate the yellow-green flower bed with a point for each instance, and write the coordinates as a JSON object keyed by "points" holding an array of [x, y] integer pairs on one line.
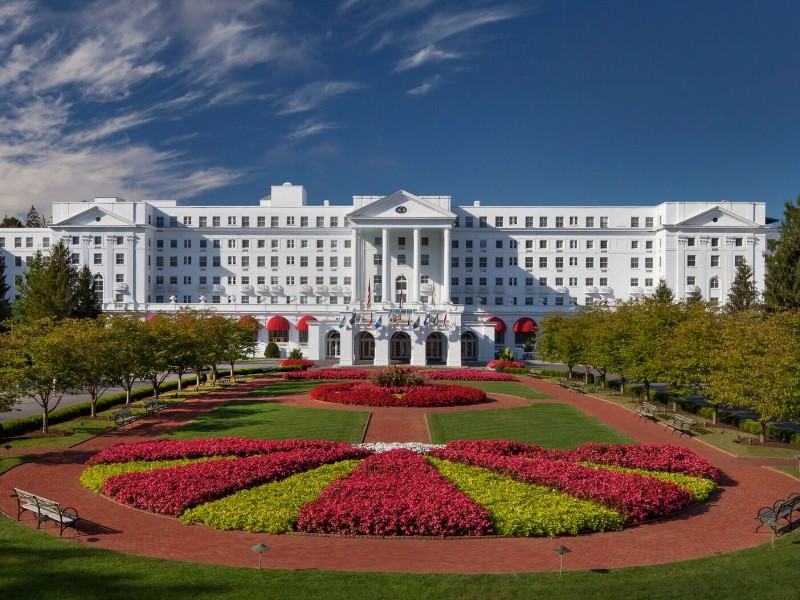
{"points": [[94, 476], [269, 508], [699, 487], [520, 509]]}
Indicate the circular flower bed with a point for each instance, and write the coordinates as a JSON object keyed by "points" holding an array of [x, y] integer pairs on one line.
{"points": [[472, 488], [368, 394]]}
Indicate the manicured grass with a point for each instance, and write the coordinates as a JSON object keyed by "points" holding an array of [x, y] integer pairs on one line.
{"points": [[11, 460], [263, 420], [793, 471], [84, 428], [503, 387], [79, 571], [282, 388], [549, 425]]}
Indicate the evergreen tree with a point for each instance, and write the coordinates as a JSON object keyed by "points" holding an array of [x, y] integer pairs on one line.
{"points": [[743, 294], [782, 284], [48, 287], [5, 305], [34, 219], [86, 304], [663, 294], [10, 222]]}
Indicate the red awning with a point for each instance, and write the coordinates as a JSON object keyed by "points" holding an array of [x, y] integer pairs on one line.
{"points": [[278, 324], [499, 325], [302, 324], [525, 325]]}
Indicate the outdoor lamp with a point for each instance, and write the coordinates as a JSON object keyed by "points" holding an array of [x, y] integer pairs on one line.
{"points": [[562, 550], [260, 548]]}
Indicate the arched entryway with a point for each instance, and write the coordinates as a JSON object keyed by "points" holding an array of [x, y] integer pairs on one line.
{"points": [[525, 333], [333, 344], [435, 349], [365, 346], [469, 347], [400, 348], [499, 330]]}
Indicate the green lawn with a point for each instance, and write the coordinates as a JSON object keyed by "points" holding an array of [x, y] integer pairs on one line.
{"points": [[281, 387], [264, 420], [503, 387], [11, 460], [549, 425], [36, 565]]}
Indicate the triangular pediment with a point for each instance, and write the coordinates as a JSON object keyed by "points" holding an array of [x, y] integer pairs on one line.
{"points": [[95, 217], [717, 217], [400, 206]]}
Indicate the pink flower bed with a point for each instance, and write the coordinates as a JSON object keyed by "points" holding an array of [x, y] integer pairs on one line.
{"points": [[637, 497], [368, 394], [297, 362], [343, 373], [396, 493], [172, 491], [505, 364], [467, 375], [176, 449]]}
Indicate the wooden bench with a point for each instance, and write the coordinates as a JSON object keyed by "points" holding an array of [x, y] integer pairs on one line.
{"points": [[240, 379], [646, 410], [151, 407], [579, 386], [45, 510], [683, 425], [122, 417], [562, 382], [535, 373], [782, 510]]}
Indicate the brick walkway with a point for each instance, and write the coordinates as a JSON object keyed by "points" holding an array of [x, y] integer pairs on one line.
{"points": [[722, 525]]}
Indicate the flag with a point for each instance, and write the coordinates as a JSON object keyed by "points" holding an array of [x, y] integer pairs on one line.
{"points": [[435, 319], [399, 319], [416, 323], [445, 320], [353, 318], [370, 320], [341, 323], [379, 322], [408, 323], [427, 319], [369, 295], [361, 319], [401, 300], [433, 294]]}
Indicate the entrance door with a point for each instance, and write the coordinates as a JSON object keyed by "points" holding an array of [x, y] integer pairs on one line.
{"points": [[434, 348], [332, 345], [400, 348], [469, 346], [366, 345]]}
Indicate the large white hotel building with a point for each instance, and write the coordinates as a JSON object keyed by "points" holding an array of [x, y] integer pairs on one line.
{"points": [[399, 278]]}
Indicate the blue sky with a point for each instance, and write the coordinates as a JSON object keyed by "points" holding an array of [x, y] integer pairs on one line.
{"points": [[549, 102]]}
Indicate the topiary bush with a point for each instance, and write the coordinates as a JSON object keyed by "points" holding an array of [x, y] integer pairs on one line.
{"points": [[272, 351], [398, 377], [296, 354]]}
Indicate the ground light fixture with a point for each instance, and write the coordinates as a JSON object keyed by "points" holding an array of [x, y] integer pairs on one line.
{"points": [[562, 550], [260, 548], [773, 527]]}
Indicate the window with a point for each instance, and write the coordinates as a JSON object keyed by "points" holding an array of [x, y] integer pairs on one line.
{"points": [[498, 262], [648, 222], [542, 262], [231, 279], [173, 243], [512, 220], [334, 261], [559, 262], [159, 222], [498, 221], [715, 260], [589, 281], [634, 244], [715, 242], [231, 243], [98, 259], [215, 221], [573, 221], [498, 244], [98, 240], [74, 258], [401, 241], [589, 262], [542, 244], [737, 260], [119, 258], [690, 280], [203, 261], [603, 222], [738, 242], [273, 222], [634, 263], [203, 221], [603, 244], [187, 280], [303, 221], [231, 220], [528, 221], [468, 244], [603, 262], [424, 260], [377, 260], [261, 221], [273, 261], [573, 261], [559, 222], [559, 244], [173, 261], [246, 261], [482, 222], [528, 262], [634, 221], [348, 262], [320, 221], [648, 262], [401, 260], [589, 221], [320, 262], [216, 243], [714, 283], [690, 260], [690, 241], [245, 221], [573, 282], [648, 245], [173, 221], [634, 281], [482, 262], [290, 221], [215, 261], [573, 244], [334, 221], [468, 222]]}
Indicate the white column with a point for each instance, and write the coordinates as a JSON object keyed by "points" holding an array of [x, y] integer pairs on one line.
{"points": [[415, 270], [446, 266], [357, 284], [385, 287]]}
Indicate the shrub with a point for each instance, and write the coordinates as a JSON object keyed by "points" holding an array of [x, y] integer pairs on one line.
{"points": [[367, 394], [505, 364], [297, 363], [272, 351], [398, 377], [506, 355], [296, 354]]}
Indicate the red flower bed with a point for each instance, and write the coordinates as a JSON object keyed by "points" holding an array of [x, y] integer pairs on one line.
{"points": [[467, 375], [396, 493], [641, 456], [176, 449], [505, 364], [171, 491], [343, 373], [303, 363], [368, 394], [637, 497]]}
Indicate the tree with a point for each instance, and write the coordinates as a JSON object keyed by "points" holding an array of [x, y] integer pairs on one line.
{"points": [[130, 355], [158, 337], [5, 305], [86, 303], [743, 294], [37, 363], [663, 293], [782, 282], [92, 356], [562, 340], [47, 290], [11, 222], [34, 219], [601, 332], [241, 340]]}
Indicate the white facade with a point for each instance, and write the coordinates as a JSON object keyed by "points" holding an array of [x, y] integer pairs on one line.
{"points": [[478, 278]]}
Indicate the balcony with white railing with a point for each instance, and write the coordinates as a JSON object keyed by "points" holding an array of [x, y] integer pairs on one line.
{"points": [[321, 289], [275, 289], [561, 289], [590, 289], [120, 286], [692, 290], [636, 291], [217, 288], [306, 289], [649, 290], [262, 289], [606, 290], [247, 288]]}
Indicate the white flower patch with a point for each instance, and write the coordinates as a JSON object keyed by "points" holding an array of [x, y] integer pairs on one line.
{"points": [[417, 447]]}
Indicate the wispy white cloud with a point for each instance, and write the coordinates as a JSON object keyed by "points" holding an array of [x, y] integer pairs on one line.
{"points": [[427, 86], [311, 95], [311, 127], [429, 54], [177, 139], [444, 25]]}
